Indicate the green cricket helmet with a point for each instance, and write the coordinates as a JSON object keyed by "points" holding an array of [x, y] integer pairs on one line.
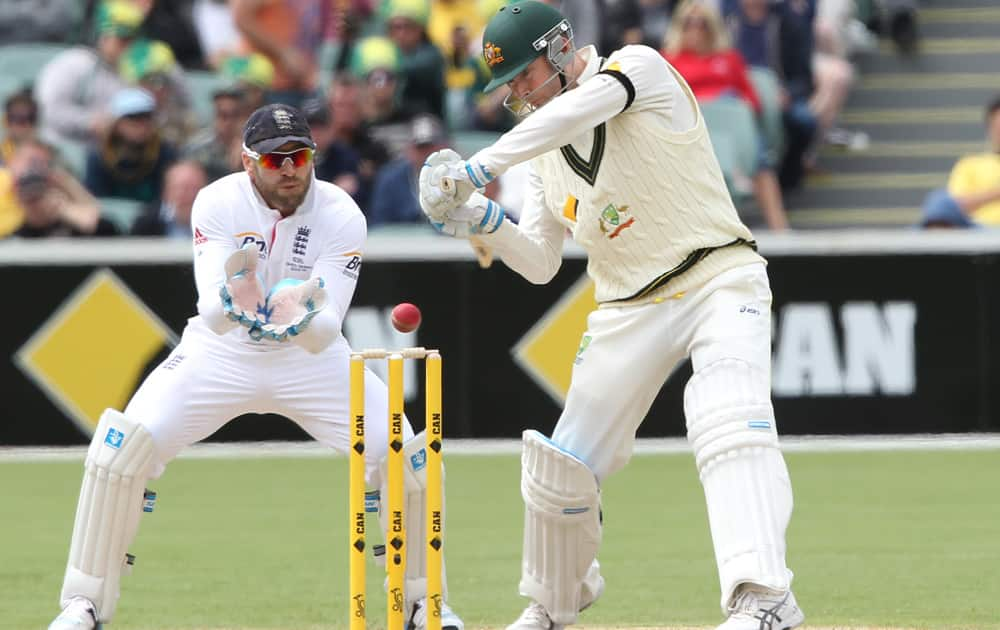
{"points": [[521, 32]]}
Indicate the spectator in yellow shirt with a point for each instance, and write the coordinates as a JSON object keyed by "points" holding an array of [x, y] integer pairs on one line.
{"points": [[448, 15], [973, 193], [38, 198], [11, 213], [20, 117]]}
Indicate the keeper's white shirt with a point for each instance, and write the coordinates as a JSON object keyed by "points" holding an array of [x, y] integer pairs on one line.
{"points": [[323, 237], [217, 372]]}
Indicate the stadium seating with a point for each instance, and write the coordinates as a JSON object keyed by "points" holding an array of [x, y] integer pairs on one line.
{"points": [[768, 89], [20, 63], [121, 212], [73, 155], [9, 85], [733, 132], [468, 142], [201, 84]]}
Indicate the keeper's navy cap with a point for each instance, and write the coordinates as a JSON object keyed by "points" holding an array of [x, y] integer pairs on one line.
{"points": [[273, 125]]}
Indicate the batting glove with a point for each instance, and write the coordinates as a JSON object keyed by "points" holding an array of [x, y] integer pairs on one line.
{"points": [[446, 181], [479, 215]]}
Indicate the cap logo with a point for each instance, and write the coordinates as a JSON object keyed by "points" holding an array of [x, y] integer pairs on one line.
{"points": [[492, 54], [282, 118]]}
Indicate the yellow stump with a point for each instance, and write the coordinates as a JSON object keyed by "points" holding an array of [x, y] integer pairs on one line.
{"points": [[396, 536], [434, 507], [356, 481]]}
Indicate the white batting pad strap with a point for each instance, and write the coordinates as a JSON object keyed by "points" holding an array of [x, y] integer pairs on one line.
{"points": [[747, 490], [115, 473], [415, 482], [562, 527]]}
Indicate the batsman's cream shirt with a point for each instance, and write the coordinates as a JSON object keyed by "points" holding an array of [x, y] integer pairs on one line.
{"points": [[624, 163], [322, 238]]}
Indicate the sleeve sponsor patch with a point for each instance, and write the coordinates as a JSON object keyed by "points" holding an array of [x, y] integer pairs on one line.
{"points": [[353, 266]]}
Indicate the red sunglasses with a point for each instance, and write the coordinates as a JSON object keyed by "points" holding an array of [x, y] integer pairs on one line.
{"points": [[276, 159]]}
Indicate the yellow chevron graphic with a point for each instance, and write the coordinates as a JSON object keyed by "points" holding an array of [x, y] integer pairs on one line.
{"points": [[92, 351], [546, 351]]}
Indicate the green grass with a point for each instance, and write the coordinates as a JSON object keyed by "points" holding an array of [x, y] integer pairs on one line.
{"points": [[889, 539]]}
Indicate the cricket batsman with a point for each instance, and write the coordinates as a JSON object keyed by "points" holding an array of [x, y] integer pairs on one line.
{"points": [[276, 260], [621, 159]]}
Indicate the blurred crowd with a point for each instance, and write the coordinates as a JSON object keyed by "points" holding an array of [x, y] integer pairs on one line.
{"points": [[145, 101]]}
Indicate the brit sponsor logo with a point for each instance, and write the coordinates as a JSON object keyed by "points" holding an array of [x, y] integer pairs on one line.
{"points": [[245, 238], [353, 266]]}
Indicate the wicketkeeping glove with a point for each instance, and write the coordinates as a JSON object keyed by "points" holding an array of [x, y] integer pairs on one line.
{"points": [[242, 293], [479, 215], [291, 305]]}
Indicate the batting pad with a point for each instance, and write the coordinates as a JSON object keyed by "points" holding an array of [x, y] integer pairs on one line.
{"points": [[107, 515], [730, 426], [562, 527], [415, 476]]}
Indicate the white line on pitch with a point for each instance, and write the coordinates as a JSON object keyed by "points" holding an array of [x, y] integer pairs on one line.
{"points": [[643, 446]]}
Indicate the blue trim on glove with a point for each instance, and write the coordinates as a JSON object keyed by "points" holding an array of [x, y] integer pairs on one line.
{"points": [[230, 310], [472, 176], [494, 212], [478, 180]]}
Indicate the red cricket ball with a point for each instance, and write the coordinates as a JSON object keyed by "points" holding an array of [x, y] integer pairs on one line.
{"points": [[405, 317]]}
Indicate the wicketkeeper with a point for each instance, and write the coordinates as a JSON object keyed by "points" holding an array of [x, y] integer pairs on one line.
{"points": [[276, 259]]}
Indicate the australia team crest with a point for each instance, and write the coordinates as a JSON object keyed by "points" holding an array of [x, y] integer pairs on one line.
{"points": [[614, 219], [492, 54]]}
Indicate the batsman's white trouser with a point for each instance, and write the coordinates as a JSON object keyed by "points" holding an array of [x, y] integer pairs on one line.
{"points": [[725, 327]]}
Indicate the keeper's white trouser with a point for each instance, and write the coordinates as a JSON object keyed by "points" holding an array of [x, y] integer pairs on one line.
{"points": [[209, 379]]}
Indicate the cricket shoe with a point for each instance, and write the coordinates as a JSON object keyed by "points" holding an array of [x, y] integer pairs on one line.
{"points": [[79, 614], [535, 617], [449, 620], [758, 608]]}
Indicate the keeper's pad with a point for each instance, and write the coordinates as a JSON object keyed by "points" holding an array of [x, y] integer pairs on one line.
{"points": [[731, 428], [118, 465], [414, 485], [562, 529]]}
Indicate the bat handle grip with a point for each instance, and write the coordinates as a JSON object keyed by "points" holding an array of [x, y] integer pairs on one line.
{"points": [[448, 185]]}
